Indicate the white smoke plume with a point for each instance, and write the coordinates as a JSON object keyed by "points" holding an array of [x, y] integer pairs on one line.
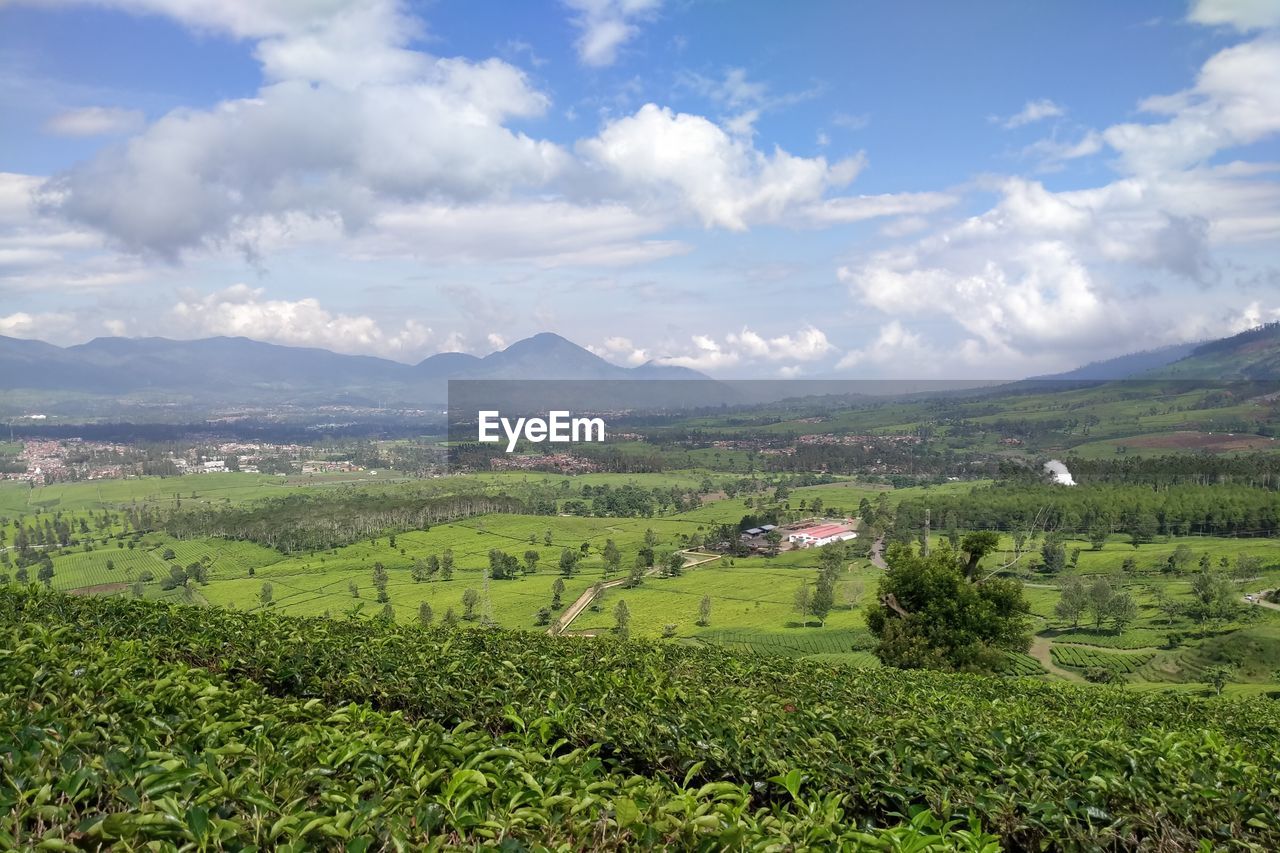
{"points": [[1060, 474]]}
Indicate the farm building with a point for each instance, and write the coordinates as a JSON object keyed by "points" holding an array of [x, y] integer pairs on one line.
{"points": [[822, 534]]}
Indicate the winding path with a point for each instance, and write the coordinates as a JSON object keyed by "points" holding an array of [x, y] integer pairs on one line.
{"points": [[877, 553], [573, 611], [1260, 601], [1042, 650]]}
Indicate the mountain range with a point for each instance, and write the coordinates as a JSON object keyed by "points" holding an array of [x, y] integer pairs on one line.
{"points": [[232, 370]]}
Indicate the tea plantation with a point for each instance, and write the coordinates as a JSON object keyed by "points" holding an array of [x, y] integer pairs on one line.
{"points": [[130, 724]]}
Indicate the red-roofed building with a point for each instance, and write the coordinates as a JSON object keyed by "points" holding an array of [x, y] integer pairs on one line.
{"points": [[822, 534]]}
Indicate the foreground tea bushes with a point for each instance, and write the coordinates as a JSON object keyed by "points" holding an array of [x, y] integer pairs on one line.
{"points": [[104, 748], [802, 752]]}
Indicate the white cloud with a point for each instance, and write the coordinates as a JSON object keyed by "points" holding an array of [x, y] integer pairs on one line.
{"points": [[606, 25], [1031, 112], [242, 310], [1242, 15], [1053, 152], [669, 161], [497, 341], [40, 325], [194, 175], [894, 345], [618, 348], [809, 344], [1235, 101], [95, 121]]}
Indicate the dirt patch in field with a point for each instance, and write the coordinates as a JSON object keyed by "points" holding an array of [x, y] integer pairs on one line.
{"points": [[1212, 442], [99, 589]]}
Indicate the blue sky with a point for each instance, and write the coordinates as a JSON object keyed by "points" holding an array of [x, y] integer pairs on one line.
{"points": [[752, 189]]}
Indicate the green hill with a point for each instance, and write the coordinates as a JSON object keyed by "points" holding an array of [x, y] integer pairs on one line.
{"points": [[141, 724], [1253, 354]]}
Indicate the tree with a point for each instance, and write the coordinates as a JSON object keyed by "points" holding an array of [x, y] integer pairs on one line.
{"points": [[568, 562], [1142, 529], [1098, 533], [470, 598], [612, 558], [531, 558], [802, 602], [419, 572], [557, 590], [137, 590], [543, 617], [622, 619], [704, 611], [450, 619], [637, 573], [929, 613], [1100, 593], [673, 564], [1218, 678], [353, 589], [976, 545], [650, 538], [425, 615], [1054, 553], [45, 575], [1073, 603], [433, 566], [446, 564], [388, 613], [1122, 610], [1181, 558], [265, 595], [774, 538], [546, 538]]}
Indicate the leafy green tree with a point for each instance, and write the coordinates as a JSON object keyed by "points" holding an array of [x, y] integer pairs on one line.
{"points": [[673, 564], [1100, 593], [803, 602], [622, 619], [1122, 610], [546, 538], [531, 558], [353, 589], [264, 596], [388, 613], [446, 564], [1218, 677], [557, 590], [637, 573], [650, 538], [1073, 603], [450, 619], [612, 558], [470, 598], [568, 562], [419, 572], [425, 615], [543, 617], [774, 540], [45, 574], [930, 614], [976, 545], [1098, 534], [704, 611], [1054, 553]]}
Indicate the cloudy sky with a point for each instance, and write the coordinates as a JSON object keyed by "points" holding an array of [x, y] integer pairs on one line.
{"points": [[984, 189]]}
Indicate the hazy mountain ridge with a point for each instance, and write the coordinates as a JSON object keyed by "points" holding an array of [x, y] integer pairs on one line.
{"points": [[234, 368]]}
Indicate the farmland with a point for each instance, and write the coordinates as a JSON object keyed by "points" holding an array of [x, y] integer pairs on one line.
{"points": [[751, 599]]}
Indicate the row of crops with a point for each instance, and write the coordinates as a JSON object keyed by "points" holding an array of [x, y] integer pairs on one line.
{"points": [[1083, 658], [139, 721]]}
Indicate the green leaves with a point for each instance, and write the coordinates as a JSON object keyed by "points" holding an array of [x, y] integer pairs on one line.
{"points": [[138, 724]]}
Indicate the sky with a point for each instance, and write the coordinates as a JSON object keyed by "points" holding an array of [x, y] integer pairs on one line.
{"points": [[752, 189]]}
